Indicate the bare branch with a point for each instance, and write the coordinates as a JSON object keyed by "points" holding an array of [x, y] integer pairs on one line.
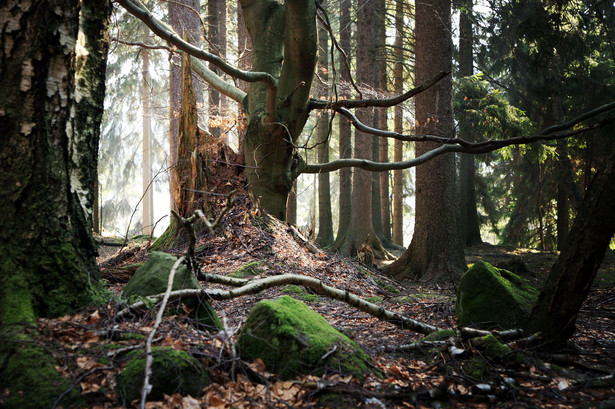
{"points": [[454, 144], [162, 30], [374, 102]]}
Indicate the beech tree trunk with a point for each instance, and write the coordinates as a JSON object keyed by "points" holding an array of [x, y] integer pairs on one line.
{"points": [[570, 278], [50, 114], [286, 48], [216, 36], [436, 250]]}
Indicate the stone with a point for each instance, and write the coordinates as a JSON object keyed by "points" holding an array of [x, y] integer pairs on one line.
{"points": [[488, 294], [292, 339], [173, 371], [153, 276]]}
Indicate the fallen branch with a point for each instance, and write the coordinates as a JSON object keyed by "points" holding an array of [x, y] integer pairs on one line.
{"points": [[255, 286]]}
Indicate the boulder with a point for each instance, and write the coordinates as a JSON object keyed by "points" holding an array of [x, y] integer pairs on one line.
{"points": [[173, 371], [488, 294], [153, 276], [292, 339]]}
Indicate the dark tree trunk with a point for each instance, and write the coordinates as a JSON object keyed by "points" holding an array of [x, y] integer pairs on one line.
{"points": [[286, 48], [570, 278], [361, 223], [345, 130], [436, 250], [244, 60], [216, 36], [48, 172], [398, 208], [325, 218], [467, 190]]}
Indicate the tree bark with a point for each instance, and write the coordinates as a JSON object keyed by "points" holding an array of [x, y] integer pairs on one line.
{"points": [[50, 116], [467, 190], [325, 218], [147, 182], [286, 48], [398, 73], [216, 35], [182, 19], [344, 129], [570, 278], [436, 250]]}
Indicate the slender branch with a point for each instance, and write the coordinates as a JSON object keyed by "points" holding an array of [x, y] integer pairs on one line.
{"points": [[149, 359], [453, 144], [375, 102], [215, 81], [137, 9]]}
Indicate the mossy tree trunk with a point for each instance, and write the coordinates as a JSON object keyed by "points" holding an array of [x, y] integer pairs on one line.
{"points": [[570, 278], [284, 41], [52, 71]]}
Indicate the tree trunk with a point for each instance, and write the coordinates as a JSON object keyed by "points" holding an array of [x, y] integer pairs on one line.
{"points": [[244, 62], [325, 218], [190, 184], [436, 250], [216, 36], [148, 188], [361, 219], [181, 19], [570, 278], [398, 181], [286, 48], [345, 130], [48, 171], [467, 190]]}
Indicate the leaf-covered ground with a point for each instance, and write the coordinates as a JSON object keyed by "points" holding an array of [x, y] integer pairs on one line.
{"points": [[91, 346]]}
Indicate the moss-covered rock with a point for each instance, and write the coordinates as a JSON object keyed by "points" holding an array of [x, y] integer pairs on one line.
{"points": [[490, 346], [153, 276], [173, 371], [441, 335], [292, 339], [299, 292], [490, 294], [247, 270]]}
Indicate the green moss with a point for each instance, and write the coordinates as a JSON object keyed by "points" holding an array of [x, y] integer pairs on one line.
{"points": [[490, 346], [487, 293], [173, 371], [441, 335], [291, 339], [247, 270], [300, 292], [152, 278], [476, 368], [375, 300], [31, 380], [386, 286]]}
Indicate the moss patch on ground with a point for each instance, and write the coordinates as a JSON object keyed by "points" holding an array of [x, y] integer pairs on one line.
{"points": [[292, 339], [173, 371], [300, 292], [490, 294], [247, 270]]}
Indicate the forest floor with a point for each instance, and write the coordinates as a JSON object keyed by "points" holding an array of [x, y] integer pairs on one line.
{"points": [[579, 376], [91, 346]]}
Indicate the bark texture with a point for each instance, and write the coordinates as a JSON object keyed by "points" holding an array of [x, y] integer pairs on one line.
{"points": [[570, 278], [398, 74], [52, 70], [436, 250]]}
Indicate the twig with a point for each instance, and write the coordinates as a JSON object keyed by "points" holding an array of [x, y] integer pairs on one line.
{"points": [[149, 359]]}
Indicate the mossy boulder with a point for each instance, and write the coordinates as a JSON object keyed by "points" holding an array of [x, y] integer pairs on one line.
{"points": [[490, 294], [247, 270], [173, 371], [292, 339], [153, 276]]}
